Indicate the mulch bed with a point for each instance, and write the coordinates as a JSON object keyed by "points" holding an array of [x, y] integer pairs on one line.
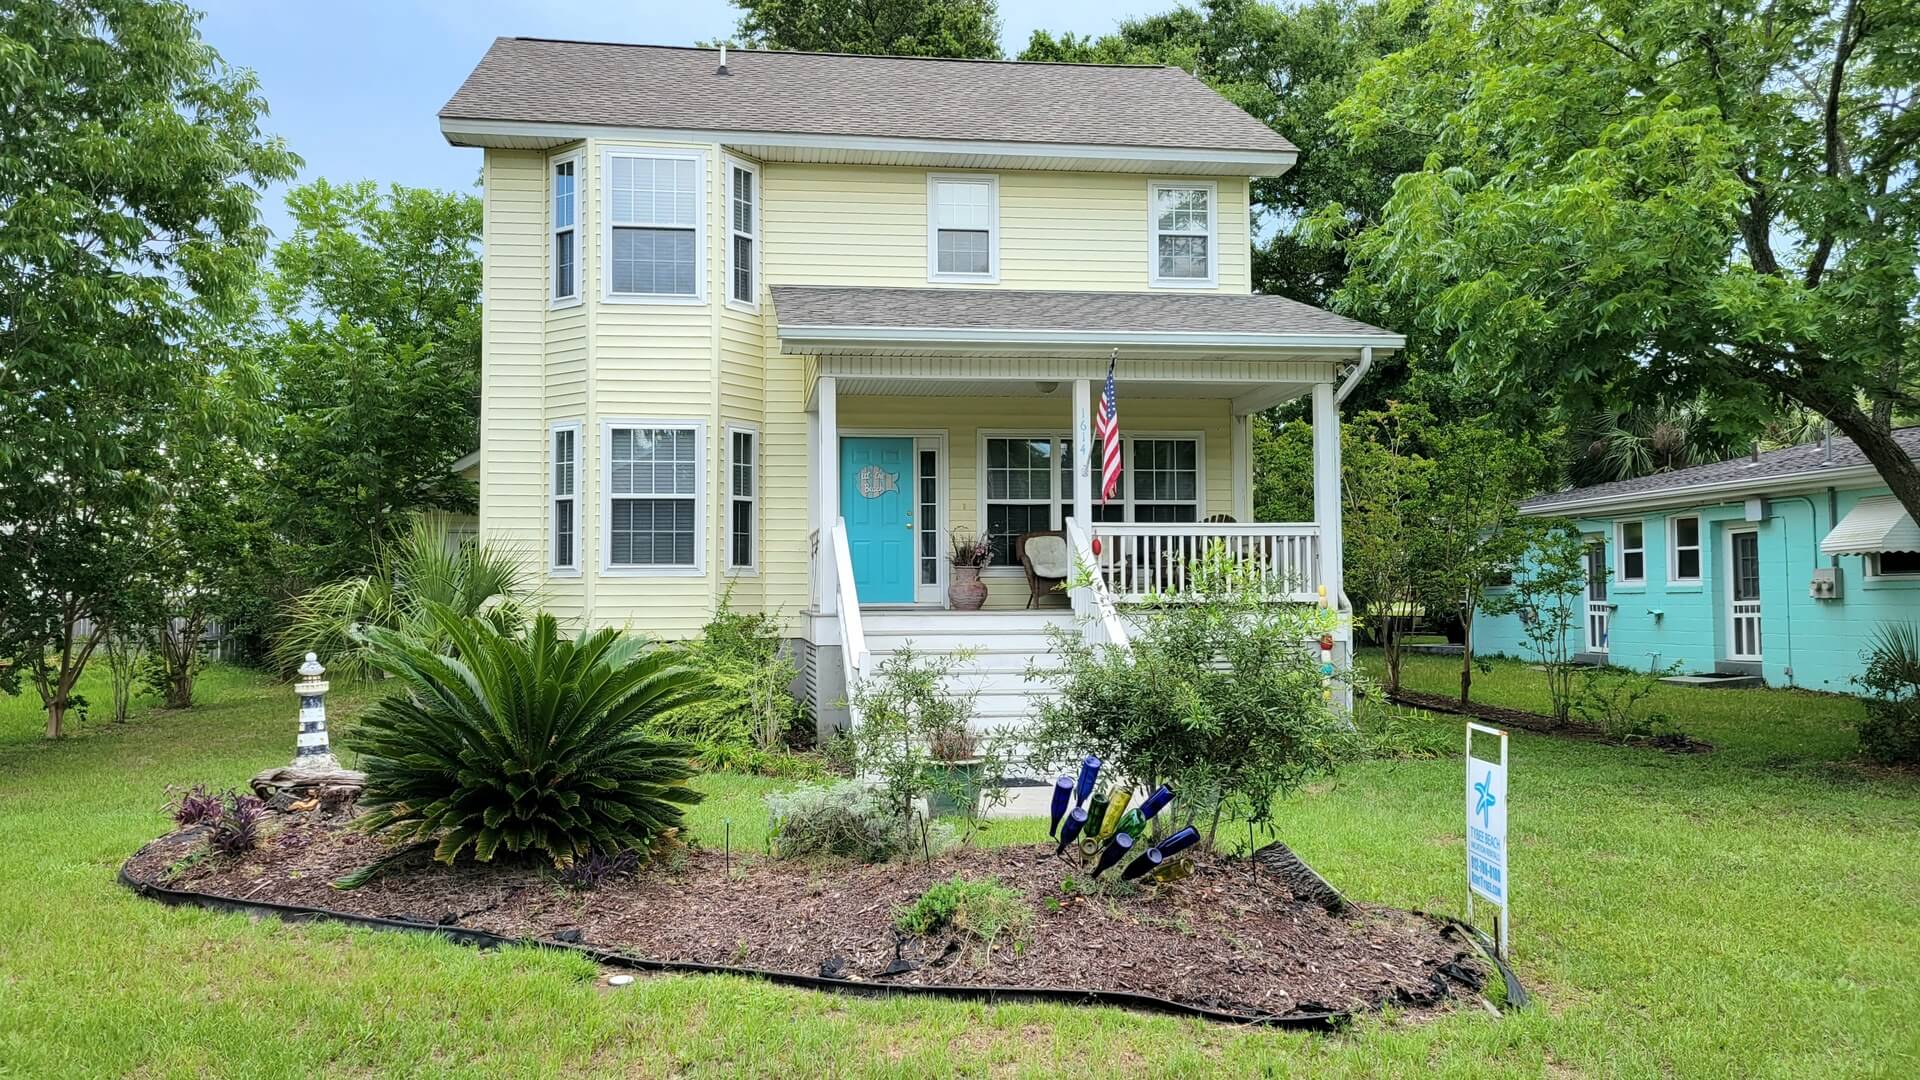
{"points": [[1228, 937], [1672, 742]]}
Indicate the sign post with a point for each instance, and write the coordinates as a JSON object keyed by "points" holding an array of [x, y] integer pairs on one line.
{"points": [[1487, 834]]}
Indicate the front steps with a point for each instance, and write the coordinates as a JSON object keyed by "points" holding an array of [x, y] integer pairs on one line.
{"points": [[1003, 644]]}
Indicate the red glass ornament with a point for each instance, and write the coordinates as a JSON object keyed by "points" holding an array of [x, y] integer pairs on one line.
{"points": [[1096, 545]]}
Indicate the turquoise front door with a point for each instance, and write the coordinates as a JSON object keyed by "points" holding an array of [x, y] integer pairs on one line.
{"points": [[876, 498]]}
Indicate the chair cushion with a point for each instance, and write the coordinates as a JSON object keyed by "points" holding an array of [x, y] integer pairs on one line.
{"points": [[1048, 554]]}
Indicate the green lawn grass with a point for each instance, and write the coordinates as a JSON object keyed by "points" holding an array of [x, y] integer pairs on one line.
{"points": [[1751, 912]]}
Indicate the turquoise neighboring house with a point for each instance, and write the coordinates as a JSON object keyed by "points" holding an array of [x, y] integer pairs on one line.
{"points": [[1778, 565]]}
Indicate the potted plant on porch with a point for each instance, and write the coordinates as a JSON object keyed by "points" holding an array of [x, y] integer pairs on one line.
{"points": [[971, 554]]}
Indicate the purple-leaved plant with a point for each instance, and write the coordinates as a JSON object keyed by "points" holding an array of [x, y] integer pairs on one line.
{"points": [[195, 805], [596, 868], [237, 830]]}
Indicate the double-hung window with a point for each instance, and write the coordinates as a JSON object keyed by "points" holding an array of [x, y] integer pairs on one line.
{"points": [[1685, 542], [1894, 564], [564, 252], [653, 211], [743, 218], [1632, 546], [565, 493], [742, 493], [1182, 216], [1027, 483], [963, 228], [654, 494]]}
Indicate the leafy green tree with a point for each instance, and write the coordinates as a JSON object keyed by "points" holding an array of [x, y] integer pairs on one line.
{"points": [[1388, 493], [1636, 202], [952, 28], [1547, 595], [130, 163], [375, 366]]}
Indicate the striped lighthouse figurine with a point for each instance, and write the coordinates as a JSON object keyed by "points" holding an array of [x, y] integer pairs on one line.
{"points": [[311, 751]]}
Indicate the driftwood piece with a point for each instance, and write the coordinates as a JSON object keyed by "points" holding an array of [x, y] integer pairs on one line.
{"points": [[307, 781]]}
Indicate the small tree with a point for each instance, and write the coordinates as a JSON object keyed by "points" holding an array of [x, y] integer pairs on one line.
{"points": [[1388, 488], [1546, 596], [1468, 536]]}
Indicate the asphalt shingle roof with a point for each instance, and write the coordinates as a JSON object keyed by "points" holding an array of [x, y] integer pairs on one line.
{"points": [[1035, 309], [656, 86], [1774, 465]]}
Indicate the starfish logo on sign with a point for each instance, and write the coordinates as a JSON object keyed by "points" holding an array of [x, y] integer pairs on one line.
{"points": [[1484, 789]]}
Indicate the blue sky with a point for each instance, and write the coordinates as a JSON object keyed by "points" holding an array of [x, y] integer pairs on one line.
{"points": [[354, 85]]}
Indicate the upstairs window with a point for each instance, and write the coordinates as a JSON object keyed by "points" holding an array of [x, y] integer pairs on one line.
{"points": [[1686, 549], [565, 252], [653, 226], [743, 218], [963, 228], [1632, 546], [1182, 234]]}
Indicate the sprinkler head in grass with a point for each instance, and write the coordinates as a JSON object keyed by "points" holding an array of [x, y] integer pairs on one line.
{"points": [[1062, 795], [1089, 773], [1115, 850], [1156, 802], [1145, 864], [1178, 842], [1076, 821]]}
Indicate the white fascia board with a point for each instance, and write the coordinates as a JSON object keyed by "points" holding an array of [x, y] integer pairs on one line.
{"points": [[799, 337], [1851, 476], [1252, 162]]}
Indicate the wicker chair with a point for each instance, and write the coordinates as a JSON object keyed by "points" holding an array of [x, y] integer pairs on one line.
{"points": [[1047, 565]]}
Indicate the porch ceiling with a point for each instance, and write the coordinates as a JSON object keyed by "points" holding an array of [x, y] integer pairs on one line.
{"points": [[867, 386]]}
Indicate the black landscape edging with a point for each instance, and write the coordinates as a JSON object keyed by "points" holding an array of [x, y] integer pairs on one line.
{"points": [[1298, 1021]]}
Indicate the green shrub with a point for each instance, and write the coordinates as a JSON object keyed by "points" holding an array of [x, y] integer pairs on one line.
{"points": [[1890, 731], [528, 743], [750, 718], [980, 907], [847, 819], [1222, 697], [913, 722], [1612, 699]]}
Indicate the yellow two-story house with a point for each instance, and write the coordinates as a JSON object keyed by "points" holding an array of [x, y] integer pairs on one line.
{"points": [[785, 323]]}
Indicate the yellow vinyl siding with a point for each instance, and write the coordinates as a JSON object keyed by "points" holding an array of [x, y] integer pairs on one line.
{"points": [[867, 225], [512, 410]]}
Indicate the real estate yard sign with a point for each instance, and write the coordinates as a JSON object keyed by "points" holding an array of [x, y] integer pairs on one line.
{"points": [[1487, 832]]}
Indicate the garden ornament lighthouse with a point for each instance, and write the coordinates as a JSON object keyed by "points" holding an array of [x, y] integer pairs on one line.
{"points": [[311, 750]]}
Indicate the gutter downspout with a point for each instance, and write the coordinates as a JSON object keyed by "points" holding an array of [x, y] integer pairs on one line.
{"points": [[1353, 377]]}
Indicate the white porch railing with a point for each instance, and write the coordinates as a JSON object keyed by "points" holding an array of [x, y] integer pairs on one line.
{"points": [[1140, 560], [854, 660], [1094, 607]]}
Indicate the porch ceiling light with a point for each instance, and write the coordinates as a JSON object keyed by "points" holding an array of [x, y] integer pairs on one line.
{"points": [[1046, 387]]}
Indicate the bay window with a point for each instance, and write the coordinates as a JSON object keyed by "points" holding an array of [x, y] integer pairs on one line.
{"points": [[654, 496], [653, 211], [565, 496], [564, 249], [743, 220]]}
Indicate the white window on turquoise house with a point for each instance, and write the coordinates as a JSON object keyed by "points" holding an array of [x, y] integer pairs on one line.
{"points": [[1181, 227], [653, 211], [565, 496], [655, 490], [743, 228], [963, 228], [1631, 544], [1684, 541], [1894, 564], [564, 250]]}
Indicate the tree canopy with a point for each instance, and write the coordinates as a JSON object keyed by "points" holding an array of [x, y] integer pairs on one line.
{"points": [[966, 29], [1623, 204]]}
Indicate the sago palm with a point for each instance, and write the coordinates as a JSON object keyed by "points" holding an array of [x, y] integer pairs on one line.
{"points": [[525, 743], [420, 568]]}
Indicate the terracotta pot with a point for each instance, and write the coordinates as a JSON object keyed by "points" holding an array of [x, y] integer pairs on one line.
{"points": [[965, 591]]}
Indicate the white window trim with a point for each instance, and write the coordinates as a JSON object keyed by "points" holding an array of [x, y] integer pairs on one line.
{"points": [[1873, 572], [607, 295], [1620, 550], [1062, 494], [554, 569], [699, 567], [1673, 548], [726, 255], [1212, 280], [555, 302], [992, 182], [750, 568]]}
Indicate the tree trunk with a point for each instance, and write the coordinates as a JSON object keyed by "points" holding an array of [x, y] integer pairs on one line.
{"points": [[1876, 441], [1466, 653]]}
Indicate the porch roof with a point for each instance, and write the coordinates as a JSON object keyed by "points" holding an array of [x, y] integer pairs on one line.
{"points": [[824, 318]]}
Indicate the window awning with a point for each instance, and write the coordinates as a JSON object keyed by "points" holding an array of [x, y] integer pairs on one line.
{"points": [[1875, 525]]}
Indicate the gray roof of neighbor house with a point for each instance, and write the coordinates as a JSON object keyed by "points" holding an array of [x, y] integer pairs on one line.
{"points": [[539, 80], [1795, 466], [1011, 312]]}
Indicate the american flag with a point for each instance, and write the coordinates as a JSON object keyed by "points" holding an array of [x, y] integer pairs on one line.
{"points": [[1107, 426]]}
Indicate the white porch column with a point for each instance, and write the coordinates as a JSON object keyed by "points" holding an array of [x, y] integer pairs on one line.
{"points": [[1326, 487], [826, 473], [1083, 453], [1243, 467]]}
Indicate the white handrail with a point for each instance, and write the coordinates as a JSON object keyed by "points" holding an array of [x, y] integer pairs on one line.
{"points": [[854, 660], [1093, 604], [1139, 560]]}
